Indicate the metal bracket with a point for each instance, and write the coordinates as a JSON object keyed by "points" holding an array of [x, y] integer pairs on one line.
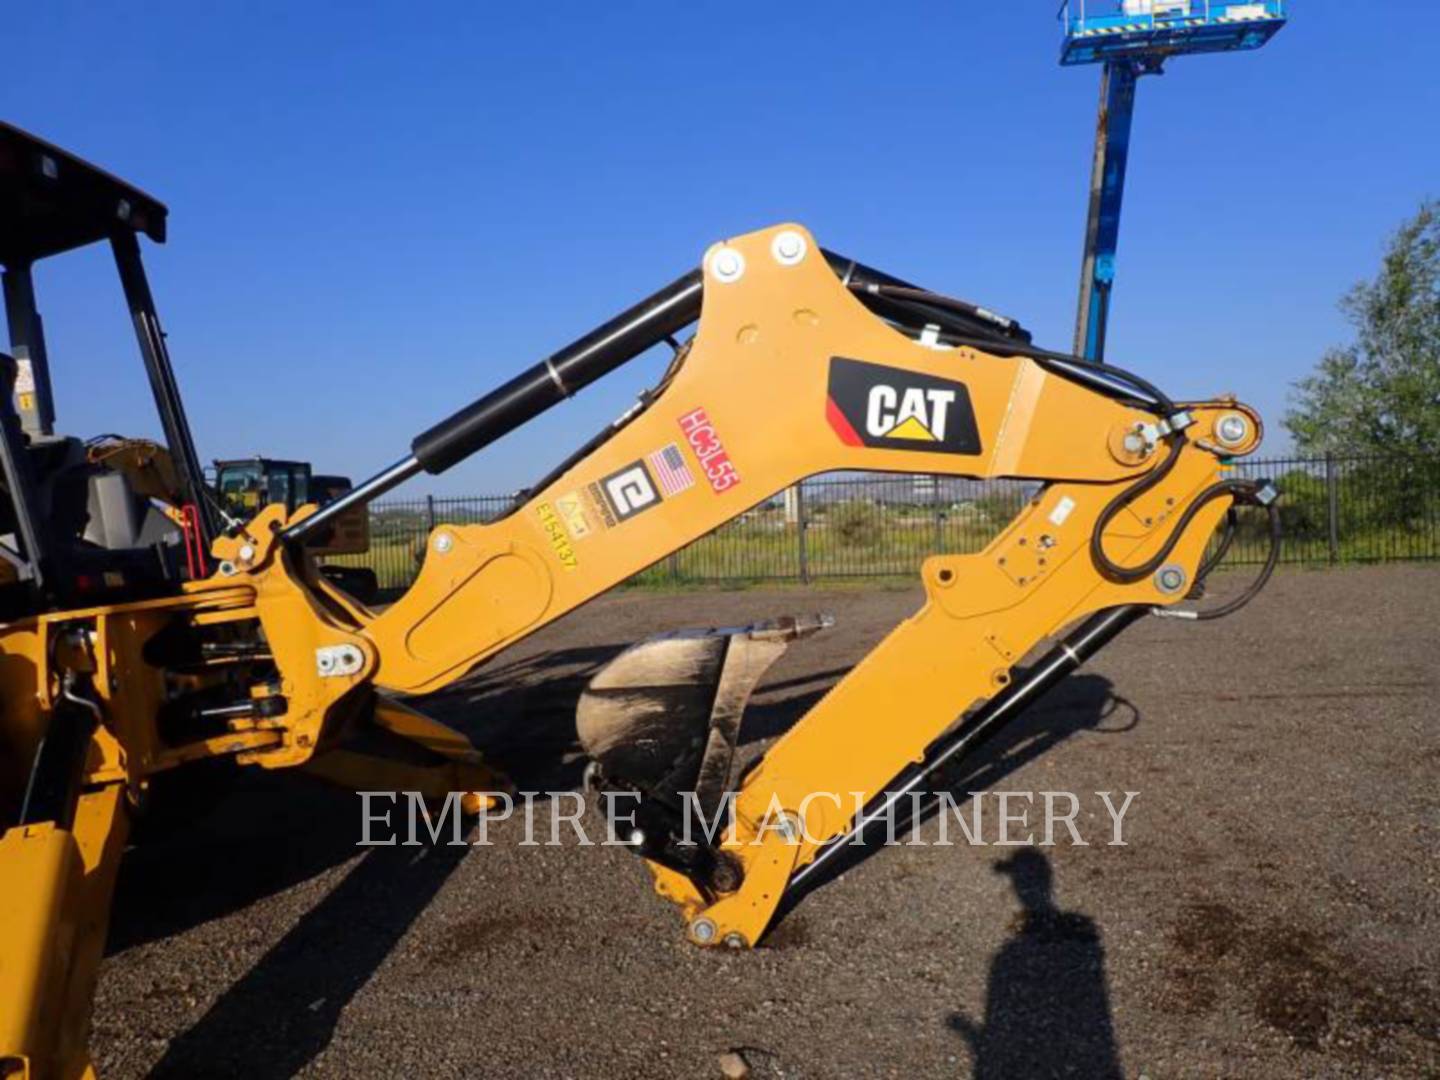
{"points": [[1153, 433], [1266, 493]]}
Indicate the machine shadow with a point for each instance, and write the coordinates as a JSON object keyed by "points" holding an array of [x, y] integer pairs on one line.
{"points": [[222, 838], [272, 831], [282, 1013], [1048, 977], [521, 713], [218, 839], [1082, 703]]}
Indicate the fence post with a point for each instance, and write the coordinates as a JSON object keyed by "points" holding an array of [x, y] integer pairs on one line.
{"points": [[939, 515], [1332, 492], [429, 514], [800, 526]]}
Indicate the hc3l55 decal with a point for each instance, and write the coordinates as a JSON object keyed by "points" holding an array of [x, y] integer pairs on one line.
{"points": [[888, 408], [709, 450]]}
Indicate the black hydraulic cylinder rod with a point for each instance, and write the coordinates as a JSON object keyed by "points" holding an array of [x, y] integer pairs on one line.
{"points": [[878, 291], [526, 396], [55, 772], [359, 495], [577, 365], [1077, 647]]}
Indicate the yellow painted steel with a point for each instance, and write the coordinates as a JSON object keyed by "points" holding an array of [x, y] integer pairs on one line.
{"points": [[744, 416], [41, 863], [758, 368], [55, 890]]}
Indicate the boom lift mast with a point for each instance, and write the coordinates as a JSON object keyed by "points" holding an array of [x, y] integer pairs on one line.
{"points": [[1132, 38], [270, 664]]}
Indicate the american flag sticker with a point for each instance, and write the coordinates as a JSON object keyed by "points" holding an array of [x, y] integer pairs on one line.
{"points": [[670, 470]]}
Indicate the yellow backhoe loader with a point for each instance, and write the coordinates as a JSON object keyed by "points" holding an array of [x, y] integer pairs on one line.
{"points": [[119, 660]]}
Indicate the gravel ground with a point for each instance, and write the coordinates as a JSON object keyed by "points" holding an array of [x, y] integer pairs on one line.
{"points": [[1274, 913]]}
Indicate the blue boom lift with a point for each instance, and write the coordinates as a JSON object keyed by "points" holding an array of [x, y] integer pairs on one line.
{"points": [[1133, 38]]}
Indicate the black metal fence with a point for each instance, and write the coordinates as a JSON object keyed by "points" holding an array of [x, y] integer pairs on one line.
{"points": [[1336, 509]]}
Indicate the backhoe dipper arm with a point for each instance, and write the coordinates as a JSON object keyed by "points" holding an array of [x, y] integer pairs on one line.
{"points": [[798, 367]]}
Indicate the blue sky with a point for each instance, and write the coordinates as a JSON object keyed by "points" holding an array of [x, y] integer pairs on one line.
{"points": [[381, 210]]}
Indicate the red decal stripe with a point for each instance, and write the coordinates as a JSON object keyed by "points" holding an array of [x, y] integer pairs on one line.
{"points": [[840, 424]]}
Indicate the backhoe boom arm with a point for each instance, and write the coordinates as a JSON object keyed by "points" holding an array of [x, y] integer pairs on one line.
{"points": [[805, 363]]}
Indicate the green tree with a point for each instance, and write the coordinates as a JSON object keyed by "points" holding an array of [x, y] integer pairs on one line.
{"points": [[856, 523], [1381, 393]]}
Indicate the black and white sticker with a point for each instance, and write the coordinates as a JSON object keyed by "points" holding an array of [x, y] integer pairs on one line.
{"points": [[887, 408], [630, 491]]}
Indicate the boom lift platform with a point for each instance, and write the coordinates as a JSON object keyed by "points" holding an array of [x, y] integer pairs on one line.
{"points": [[1132, 38], [1099, 32], [266, 662]]}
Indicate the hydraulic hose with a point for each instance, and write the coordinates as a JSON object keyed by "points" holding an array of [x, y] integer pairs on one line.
{"points": [[1113, 569], [1227, 538], [1063, 364], [1272, 559], [1127, 574]]}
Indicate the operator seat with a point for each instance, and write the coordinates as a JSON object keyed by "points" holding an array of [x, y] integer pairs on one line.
{"points": [[100, 541]]}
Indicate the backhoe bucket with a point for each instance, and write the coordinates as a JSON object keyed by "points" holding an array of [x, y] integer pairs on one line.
{"points": [[663, 717]]}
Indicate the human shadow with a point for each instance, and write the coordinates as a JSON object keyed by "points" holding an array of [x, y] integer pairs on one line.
{"points": [[1047, 1001]]}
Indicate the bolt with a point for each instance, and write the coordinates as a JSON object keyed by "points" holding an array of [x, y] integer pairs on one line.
{"points": [[1170, 579], [227, 568], [444, 542], [703, 930], [788, 248], [247, 553], [728, 264], [1134, 443], [734, 941], [1232, 430], [726, 875], [788, 827], [636, 837]]}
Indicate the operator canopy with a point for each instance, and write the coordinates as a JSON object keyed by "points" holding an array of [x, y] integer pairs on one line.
{"points": [[52, 201]]}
